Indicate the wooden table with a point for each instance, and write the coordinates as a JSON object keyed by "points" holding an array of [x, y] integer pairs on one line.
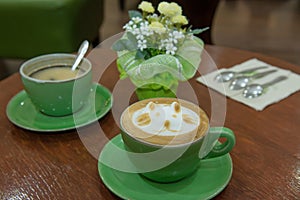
{"points": [[266, 158]]}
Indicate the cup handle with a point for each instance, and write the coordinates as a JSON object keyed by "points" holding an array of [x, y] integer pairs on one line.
{"points": [[220, 149]]}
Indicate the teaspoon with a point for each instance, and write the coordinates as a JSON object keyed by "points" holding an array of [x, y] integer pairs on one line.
{"points": [[81, 52], [229, 75], [255, 90], [241, 82]]}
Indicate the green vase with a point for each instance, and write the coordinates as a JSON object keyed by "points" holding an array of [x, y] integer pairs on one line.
{"points": [[155, 90]]}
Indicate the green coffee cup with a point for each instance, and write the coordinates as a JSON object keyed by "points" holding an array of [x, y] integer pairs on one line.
{"points": [[65, 94], [172, 162]]}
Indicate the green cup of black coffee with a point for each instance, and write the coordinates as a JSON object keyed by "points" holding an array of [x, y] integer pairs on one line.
{"points": [[53, 87]]}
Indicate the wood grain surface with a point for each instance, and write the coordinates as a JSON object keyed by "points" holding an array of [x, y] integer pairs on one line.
{"points": [[266, 158]]}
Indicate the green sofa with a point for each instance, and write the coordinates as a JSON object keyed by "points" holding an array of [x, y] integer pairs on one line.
{"points": [[33, 27]]}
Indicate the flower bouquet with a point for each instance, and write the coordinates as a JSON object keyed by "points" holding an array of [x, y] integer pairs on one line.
{"points": [[157, 51]]}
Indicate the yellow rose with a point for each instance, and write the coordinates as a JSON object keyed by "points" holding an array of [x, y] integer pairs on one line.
{"points": [[179, 19], [169, 9], [146, 7], [157, 27]]}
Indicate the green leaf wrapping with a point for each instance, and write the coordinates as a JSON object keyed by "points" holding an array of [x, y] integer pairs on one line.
{"points": [[128, 42], [189, 55], [126, 62], [163, 69], [160, 69]]}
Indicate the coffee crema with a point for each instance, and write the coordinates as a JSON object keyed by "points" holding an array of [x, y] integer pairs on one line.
{"points": [[165, 121], [56, 73]]}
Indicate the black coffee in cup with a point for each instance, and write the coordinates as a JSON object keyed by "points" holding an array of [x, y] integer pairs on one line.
{"points": [[56, 72]]}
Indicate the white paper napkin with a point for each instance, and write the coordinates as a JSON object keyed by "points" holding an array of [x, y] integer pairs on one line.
{"points": [[273, 94]]}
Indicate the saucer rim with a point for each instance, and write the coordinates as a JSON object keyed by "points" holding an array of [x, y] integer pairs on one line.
{"points": [[66, 128], [106, 179]]}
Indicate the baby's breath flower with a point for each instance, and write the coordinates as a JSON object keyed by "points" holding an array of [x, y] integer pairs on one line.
{"points": [[142, 44], [179, 19], [157, 27], [136, 20], [135, 31], [146, 7], [178, 34], [170, 49], [169, 9], [140, 37], [162, 31], [126, 26], [157, 31]]}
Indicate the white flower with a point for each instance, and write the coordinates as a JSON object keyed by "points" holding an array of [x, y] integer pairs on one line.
{"points": [[126, 26], [136, 20], [162, 31], [140, 37], [178, 35], [142, 44], [170, 48], [144, 28], [144, 24], [134, 30]]}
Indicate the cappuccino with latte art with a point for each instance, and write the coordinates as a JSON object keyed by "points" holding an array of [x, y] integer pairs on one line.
{"points": [[164, 121]]}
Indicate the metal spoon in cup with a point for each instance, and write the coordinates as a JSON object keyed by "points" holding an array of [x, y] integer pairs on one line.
{"points": [[255, 90], [229, 75], [81, 52], [241, 82]]}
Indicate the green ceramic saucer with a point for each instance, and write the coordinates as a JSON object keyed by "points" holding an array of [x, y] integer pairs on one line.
{"points": [[21, 112], [206, 183]]}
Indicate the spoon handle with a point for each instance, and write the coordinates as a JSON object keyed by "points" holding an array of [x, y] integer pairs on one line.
{"points": [[276, 80], [252, 69], [262, 74], [81, 52]]}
